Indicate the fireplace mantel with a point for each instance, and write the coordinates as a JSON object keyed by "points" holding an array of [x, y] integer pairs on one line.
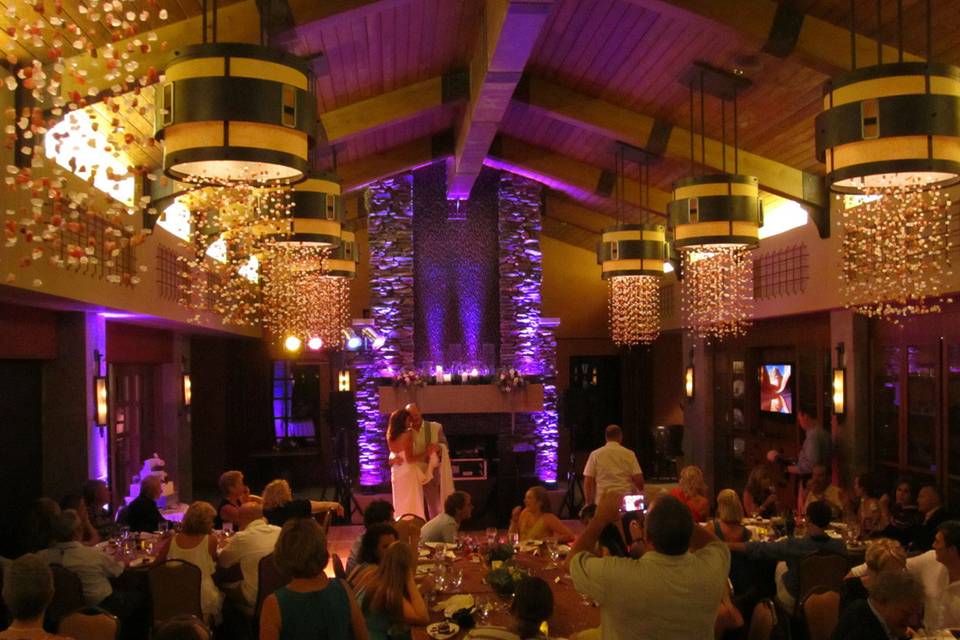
{"points": [[469, 398]]}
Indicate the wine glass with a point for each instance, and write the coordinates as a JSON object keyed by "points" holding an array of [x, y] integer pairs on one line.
{"points": [[553, 553], [454, 578], [491, 536], [483, 605]]}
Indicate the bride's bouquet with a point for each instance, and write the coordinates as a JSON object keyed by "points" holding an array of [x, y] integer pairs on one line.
{"points": [[409, 378], [509, 379]]}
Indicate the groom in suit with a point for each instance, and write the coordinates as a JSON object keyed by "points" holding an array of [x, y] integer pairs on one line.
{"points": [[424, 433]]}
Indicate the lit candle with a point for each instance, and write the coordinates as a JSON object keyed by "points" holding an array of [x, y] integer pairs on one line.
{"points": [[447, 378], [474, 373], [439, 371]]}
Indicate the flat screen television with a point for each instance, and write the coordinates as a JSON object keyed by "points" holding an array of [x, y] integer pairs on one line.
{"points": [[776, 388]]}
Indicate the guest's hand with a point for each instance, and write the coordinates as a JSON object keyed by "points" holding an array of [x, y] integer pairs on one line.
{"points": [[608, 509], [515, 515]]}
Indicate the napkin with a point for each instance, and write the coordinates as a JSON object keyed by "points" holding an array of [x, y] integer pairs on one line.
{"points": [[455, 603]]}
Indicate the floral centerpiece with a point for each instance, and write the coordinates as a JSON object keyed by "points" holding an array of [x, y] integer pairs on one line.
{"points": [[509, 379], [504, 580], [499, 553], [409, 378]]}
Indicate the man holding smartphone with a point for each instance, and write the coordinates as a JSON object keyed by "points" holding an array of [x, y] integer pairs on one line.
{"points": [[612, 467]]}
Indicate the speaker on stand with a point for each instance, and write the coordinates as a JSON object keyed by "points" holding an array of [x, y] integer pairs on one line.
{"points": [[343, 417]]}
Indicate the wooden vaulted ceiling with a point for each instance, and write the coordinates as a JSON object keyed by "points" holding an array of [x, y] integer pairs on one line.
{"points": [[548, 87]]}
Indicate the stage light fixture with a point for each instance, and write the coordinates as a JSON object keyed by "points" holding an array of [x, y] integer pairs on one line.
{"points": [[351, 340], [375, 340], [315, 343]]}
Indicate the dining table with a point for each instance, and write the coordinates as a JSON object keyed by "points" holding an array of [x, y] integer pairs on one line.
{"points": [[571, 612]]}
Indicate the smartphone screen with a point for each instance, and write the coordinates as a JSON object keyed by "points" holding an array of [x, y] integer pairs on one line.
{"points": [[635, 502]]}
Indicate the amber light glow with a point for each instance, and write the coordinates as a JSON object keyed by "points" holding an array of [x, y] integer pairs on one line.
{"points": [[343, 381], [688, 382], [839, 391], [187, 390], [103, 401]]}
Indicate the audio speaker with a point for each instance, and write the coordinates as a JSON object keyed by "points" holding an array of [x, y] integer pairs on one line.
{"points": [[343, 410]]}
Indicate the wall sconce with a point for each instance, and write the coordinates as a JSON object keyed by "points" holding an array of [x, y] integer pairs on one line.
{"points": [[187, 390], [840, 383], [839, 390], [101, 394], [688, 381], [343, 380]]}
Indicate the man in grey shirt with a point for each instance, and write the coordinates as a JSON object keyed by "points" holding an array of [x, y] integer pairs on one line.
{"points": [[816, 446], [456, 508]]}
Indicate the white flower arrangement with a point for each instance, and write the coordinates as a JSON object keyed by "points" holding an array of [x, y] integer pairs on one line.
{"points": [[509, 379]]}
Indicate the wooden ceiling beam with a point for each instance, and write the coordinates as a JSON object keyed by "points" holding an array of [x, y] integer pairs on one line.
{"points": [[576, 179], [406, 157], [508, 31], [780, 30], [617, 123], [393, 107]]}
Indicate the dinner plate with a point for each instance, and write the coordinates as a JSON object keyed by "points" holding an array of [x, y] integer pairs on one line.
{"points": [[435, 545], [433, 630]]}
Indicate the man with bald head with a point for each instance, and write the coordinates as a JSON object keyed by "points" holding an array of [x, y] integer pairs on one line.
{"points": [[256, 540], [143, 514], [424, 433]]}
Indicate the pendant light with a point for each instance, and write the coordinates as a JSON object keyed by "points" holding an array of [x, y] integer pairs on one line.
{"points": [[234, 112], [715, 222], [890, 132], [631, 258]]}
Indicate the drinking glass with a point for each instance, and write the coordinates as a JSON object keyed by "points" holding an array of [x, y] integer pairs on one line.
{"points": [[491, 536], [483, 608], [440, 581], [454, 578], [553, 553], [163, 527], [515, 541]]}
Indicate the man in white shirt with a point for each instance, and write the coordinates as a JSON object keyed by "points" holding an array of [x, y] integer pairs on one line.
{"points": [[939, 571], [456, 508], [612, 467], [92, 566], [672, 591], [255, 541]]}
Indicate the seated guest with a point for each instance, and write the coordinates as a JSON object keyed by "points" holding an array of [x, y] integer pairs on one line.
{"points": [[933, 514], [37, 530], [376, 512], [374, 543], [279, 505], [692, 492], [311, 605], [96, 495], [792, 550], [613, 538], [234, 492], [75, 502], [443, 528], [27, 592], [196, 545], [760, 494], [392, 601], [869, 513], [535, 521], [819, 488], [672, 591], [142, 512], [532, 607], [893, 606], [939, 572], [883, 556], [903, 516], [728, 526], [255, 541]]}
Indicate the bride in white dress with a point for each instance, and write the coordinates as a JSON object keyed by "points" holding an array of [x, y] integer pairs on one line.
{"points": [[409, 471]]}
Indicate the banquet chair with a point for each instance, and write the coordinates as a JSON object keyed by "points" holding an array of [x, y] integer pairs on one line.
{"points": [[67, 596], [325, 520], [174, 590], [408, 527], [821, 611], [271, 577], [767, 623], [90, 623], [820, 569], [176, 627], [338, 569]]}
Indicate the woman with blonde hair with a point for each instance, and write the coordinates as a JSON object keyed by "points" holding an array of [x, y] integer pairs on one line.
{"points": [[883, 555], [279, 505], [195, 545], [692, 492], [536, 520], [392, 601]]}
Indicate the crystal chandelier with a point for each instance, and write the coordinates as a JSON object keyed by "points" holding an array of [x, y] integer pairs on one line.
{"points": [[889, 132], [896, 249], [716, 222], [631, 258]]}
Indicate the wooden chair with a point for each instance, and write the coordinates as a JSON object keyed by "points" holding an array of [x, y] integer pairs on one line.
{"points": [[338, 569], [766, 623], [270, 578], [408, 527], [325, 518], [67, 596], [174, 590], [821, 611], [90, 623], [820, 569], [182, 625]]}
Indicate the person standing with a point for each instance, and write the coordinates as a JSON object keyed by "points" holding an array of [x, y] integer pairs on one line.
{"points": [[612, 467], [407, 470], [816, 445], [424, 434]]}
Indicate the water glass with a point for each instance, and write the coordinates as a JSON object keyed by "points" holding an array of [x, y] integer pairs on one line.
{"points": [[483, 608], [163, 527], [228, 528], [454, 578], [515, 541], [491, 536]]}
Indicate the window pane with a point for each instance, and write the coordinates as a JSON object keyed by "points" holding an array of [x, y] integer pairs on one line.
{"points": [[921, 405], [953, 408], [886, 391]]}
